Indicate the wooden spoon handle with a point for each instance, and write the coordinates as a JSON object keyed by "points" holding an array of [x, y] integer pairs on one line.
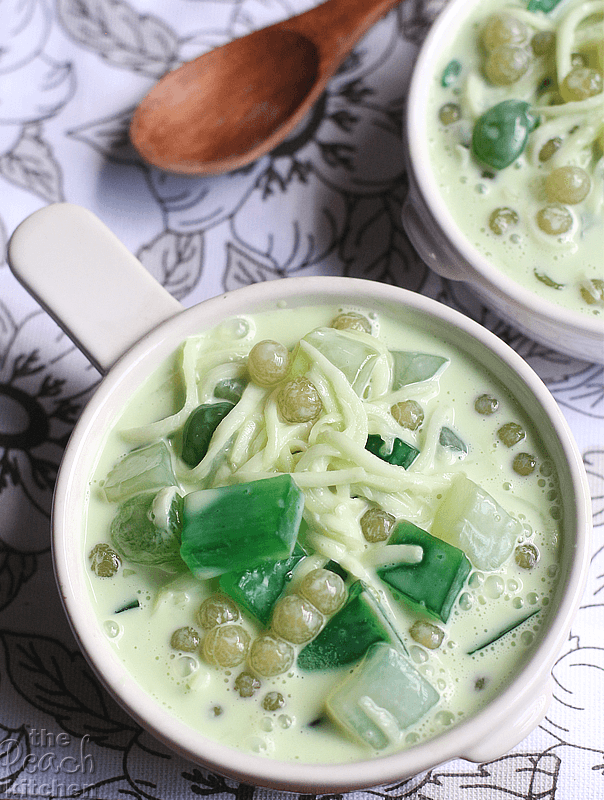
{"points": [[336, 25]]}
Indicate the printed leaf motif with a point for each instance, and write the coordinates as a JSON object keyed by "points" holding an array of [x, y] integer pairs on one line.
{"points": [[594, 466], [14, 752], [242, 269], [3, 239], [417, 17], [532, 776], [175, 260], [15, 570], [109, 137], [376, 247], [32, 166], [8, 330], [582, 391], [59, 682], [208, 784], [308, 231], [119, 34]]}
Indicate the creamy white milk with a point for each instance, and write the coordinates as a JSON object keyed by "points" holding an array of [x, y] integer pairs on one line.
{"points": [[560, 267], [203, 695]]}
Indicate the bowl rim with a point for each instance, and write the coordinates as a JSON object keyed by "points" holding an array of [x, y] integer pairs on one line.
{"points": [[445, 27], [70, 500]]}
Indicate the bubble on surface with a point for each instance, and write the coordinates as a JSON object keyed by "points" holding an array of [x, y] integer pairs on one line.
{"points": [[494, 586], [466, 601], [112, 629], [445, 718], [185, 666]]}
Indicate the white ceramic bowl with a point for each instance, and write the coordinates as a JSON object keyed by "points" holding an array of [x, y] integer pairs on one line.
{"points": [[443, 246], [48, 237]]}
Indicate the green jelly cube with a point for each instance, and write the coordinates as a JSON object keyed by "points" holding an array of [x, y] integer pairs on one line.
{"points": [[230, 389], [471, 519], [411, 367], [333, 566], [347, 635], [399, 453], [199, 429], [434, 582], [237, 527], [147, 528], [450, 73], [258, 589], [147, 469], [355, 357], [542, 5], [382, 697], [449, 439]]}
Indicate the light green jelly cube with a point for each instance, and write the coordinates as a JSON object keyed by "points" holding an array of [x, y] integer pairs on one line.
{"points": [[412, 367], [382, 697], [469, 518], [147, 469], [352, 355], [146, 529], [237, 527]]}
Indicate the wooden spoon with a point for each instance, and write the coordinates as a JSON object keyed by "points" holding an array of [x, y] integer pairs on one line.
{"points": [[237, 102]]}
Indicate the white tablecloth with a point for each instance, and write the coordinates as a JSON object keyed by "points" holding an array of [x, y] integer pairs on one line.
{"points": [[328, 201]]}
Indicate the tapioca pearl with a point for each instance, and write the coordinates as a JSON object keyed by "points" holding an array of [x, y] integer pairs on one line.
{"points": [[285, 721], [324, 589], [351, 320], [217, 609], [412, 738], [226, 645], [466, 601], [518, 602], [527, 638], [273, 701], [270, 656], [295, 619], [532, 598], [268, 362]]}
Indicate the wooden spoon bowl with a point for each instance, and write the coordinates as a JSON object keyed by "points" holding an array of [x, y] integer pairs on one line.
{"points": [[237, 102]]}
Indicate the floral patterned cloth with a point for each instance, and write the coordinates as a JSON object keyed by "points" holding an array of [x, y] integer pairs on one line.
{"points": [[326, 201]]}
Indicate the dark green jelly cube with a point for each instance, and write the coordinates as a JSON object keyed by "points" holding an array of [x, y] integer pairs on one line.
{"points": [[400, 454], [333, 566], [237, 527], [347, 635], [199, 429], [435, 582], [258, 589]]}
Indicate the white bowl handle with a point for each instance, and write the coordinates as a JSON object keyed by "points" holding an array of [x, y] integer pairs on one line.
{"points": [[88, 281], [505, 738]]}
